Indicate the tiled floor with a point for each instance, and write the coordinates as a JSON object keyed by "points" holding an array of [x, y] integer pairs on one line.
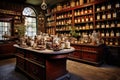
{"points": [[78, 71]]}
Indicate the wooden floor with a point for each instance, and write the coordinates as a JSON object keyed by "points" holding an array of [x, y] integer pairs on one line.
{"points": [[78, 71]]}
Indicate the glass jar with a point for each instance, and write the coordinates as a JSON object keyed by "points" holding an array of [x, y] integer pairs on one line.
{"points": [[103, 16], [72, 3], [59, 7], [103, 7], [81, 2], [117, 5], [114, 14], [98, 8], [109, 15], [109, 6]]}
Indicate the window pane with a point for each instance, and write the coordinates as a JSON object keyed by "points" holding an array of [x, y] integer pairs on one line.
{"points": [[5, 27]]}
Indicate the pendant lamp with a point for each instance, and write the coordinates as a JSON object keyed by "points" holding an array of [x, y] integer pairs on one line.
{"points": [[43, 5]]}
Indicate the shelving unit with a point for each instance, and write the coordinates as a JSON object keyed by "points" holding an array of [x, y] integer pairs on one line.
{"points": [[51, 24], [107, 22], [101, 16]]}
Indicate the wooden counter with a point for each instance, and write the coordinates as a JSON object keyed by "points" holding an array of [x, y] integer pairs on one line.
{"points": [[42, 64], [88, 53]]}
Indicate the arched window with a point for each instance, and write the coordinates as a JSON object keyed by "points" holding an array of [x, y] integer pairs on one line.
{"points": [[30, 21]]}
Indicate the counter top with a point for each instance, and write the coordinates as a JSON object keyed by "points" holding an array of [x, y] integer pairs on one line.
{"points": [[46, 51]]}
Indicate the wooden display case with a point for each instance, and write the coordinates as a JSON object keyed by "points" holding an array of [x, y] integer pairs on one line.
{"points": [[42, 64], [87, 53]]}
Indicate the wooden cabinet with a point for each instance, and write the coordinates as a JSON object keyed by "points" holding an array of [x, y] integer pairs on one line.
{"points": [[92, 54], [41, 65], [6, 49]]}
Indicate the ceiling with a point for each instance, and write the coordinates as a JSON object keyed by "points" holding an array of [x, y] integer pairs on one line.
{"points": [[37, 2]]}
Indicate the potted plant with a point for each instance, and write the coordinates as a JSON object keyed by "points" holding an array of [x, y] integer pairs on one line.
{"points": [[20, 28]]}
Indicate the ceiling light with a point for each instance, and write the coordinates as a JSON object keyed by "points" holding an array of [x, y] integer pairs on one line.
{"points": [[43, 5]]}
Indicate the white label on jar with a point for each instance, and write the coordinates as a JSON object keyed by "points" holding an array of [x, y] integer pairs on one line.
{"points": [[98, 17], [116, 43], [110, 43], [107, 26], [91, 26], [112, 34], [98, 9], [117, 34], [117, 5], [82, 12], [114, 15], [102, 35], [109, 7], [103, 16], [107, 34], [112, 25], [82, 20], [91, 19], [106, 42], [78, 20], [98, 26], [86, 19], [102, 26], [103, 8], [118, 25], [109, 16], [75, 21], [90, 11], [85, 11]]}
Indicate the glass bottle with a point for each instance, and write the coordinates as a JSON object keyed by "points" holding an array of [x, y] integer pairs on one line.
{"points": [[102, 33], [118, 24], [103, 7], [87, 19], [90, 10], [117, 33], [114, 14], [109, 6], [103, 25], [91, 18], [106, 42], [117, 5], [75, 13], [112, 24], [107, 25], [107, 34], [98, 8], [91, 26], [78, 13], [116, 42], [79, 20], [82, 12], [81, 2], [103, 16], [112, 33], [98, 16], [86, 10], [109, 15], [77, 3], [98, 25], [75, 20], [72, 3], [111, 42]]}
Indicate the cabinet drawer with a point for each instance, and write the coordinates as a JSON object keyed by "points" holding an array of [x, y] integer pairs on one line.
{"points": [[76, 54], [89, 56], [35, 70], [37, 58], [20, 63]]}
